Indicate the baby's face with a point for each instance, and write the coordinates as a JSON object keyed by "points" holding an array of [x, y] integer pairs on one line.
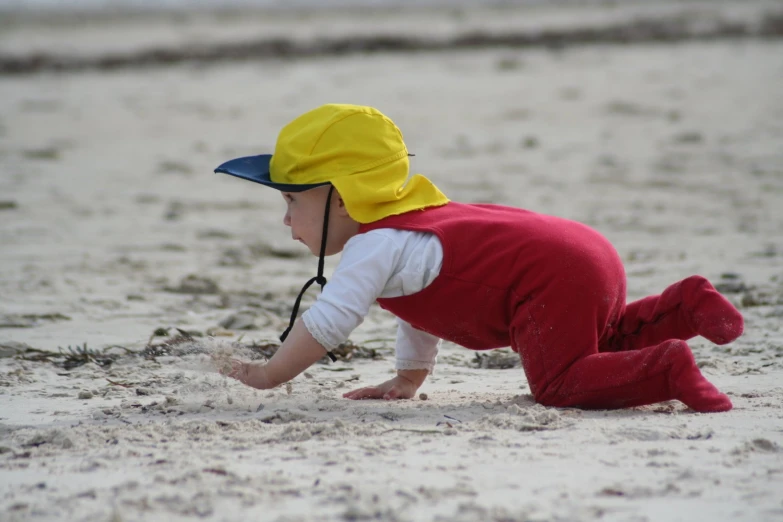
{"points": [[305, 215]]}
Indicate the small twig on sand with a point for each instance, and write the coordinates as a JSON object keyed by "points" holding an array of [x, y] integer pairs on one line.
{"points": [[123, 384], [128, 351], [412, 431], [184, 334]]}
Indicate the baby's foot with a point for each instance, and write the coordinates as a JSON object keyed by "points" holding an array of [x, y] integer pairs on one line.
{"points": [[691, 387], [701, 395], [711, 315]]}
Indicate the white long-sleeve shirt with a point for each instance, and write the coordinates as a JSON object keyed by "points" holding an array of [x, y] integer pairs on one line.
{"points": [[380, 263]]}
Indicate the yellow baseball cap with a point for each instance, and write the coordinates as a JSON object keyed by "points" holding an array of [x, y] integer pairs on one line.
{"points": [[357, 149]]}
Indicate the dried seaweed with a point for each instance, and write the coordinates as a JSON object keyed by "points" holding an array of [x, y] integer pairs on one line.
{"points": [[81, 355], [497, 360], [178, 345], [72, 357], [345, 352], [348, 351], [36, 355], [262, 350], [182, 344]]}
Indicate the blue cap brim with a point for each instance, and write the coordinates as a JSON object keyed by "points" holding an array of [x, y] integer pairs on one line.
{"points": [[256, 168]]}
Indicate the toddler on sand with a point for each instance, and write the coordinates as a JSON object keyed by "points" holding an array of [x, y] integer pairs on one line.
{"points": [[481, 276]]}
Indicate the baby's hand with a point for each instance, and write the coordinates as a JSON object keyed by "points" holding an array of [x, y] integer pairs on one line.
{"points": [[244, 372], [396, 388], [233, 368]]}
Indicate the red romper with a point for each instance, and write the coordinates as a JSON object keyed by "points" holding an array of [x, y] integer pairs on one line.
{"points": [[554, 290]]}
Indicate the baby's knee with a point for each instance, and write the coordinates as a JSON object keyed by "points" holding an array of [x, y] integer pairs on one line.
{"points": [[547, 394]]}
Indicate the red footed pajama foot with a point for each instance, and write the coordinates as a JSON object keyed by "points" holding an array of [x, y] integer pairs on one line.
{"points": [[690, 387], [711, 315], [609, 380], [703, 397]]}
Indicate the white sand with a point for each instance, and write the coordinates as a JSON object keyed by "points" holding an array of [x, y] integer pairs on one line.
{"points": [[674, 152]]}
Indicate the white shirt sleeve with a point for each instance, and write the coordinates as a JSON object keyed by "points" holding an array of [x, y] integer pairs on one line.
{"points": [[380, 263], [416, 350], [367, 263]]}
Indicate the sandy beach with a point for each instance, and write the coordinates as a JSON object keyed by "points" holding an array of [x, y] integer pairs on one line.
{"points": [[127, 268]]}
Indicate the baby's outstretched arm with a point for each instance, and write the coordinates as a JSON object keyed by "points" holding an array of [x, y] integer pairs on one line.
{"points": [[297, 353], [403, 386]]}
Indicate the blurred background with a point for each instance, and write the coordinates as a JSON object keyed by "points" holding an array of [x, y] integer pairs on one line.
{"points": [[659, 123]]}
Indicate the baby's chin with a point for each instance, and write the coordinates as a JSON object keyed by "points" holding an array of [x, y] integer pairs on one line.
{"points": [[329, 251]]}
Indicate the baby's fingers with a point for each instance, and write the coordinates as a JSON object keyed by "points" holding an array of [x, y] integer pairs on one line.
{"points": [[234, 369], [370, 392]]}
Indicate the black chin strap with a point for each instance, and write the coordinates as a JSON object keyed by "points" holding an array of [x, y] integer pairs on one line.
{"points": [[320, 279]]}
